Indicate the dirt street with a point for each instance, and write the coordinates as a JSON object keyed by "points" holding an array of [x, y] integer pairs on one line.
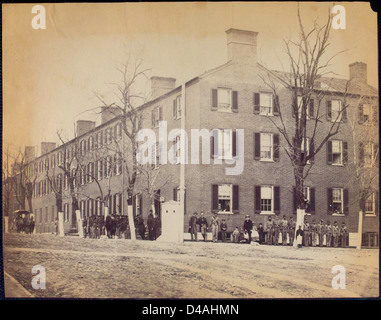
{"points": [[117, 268]]}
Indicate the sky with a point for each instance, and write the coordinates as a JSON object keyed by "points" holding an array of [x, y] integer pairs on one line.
{"points": [[50, 76]]}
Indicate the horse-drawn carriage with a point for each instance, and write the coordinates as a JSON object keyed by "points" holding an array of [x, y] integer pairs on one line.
{"points": [[24, 221]]}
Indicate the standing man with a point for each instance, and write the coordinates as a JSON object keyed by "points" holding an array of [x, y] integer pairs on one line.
{"points": [[291, 231], [313, 232], [203, 225], [335, 234], [215, 224], [248, 226], [140, 225], [276, 230], [284, 229], [344, 235], [306, 231], [224, 228], [261, 233], [328, 233], [270, 231], [320, 232], [150, 225], [299, 237], [193, 226]]}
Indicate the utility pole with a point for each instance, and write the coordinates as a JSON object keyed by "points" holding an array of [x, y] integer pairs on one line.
{"points": [[182, 165]]}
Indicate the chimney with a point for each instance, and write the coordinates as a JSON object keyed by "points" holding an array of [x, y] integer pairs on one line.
{"points": [[357, 71], [84, 126], [29, 153], [242, 44], [162, 85], [108, 113], [47, 146]]}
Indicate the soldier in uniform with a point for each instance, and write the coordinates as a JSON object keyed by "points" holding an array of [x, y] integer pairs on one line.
{"points": [[248, 226], [320, 232], [306, 231], [344, 235], [150, 225], [261, 233], [270, 231], [203, 225], [291, 230], [313, 233], [193, 226], [284, 230], [214, 223], [141, 226], [328, 234], [335, 234], [276, 230]]}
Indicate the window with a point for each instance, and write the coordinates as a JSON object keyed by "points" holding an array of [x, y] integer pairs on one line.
{"points": [[91, 143], [177, 108], [100, 139], [370, 239], [154, 163], [118, 131], [370, 204], [46, 214], [90, 171], [65, 182], [118, 164], [60, 158], [267, 199], [107, 167], [46, 163], [337, 201], [59, 183], [82, 206], [336, 110], [369, 153], [157, 116], [225, 144], [98, 208], [307, 152], [138, 204], [224, 97], [225, 195], [108, 135], [266, 146], [266, 104], [337, 155], [99, 169], [307, 198]]}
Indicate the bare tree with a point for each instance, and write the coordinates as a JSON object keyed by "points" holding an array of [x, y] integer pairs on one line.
{"points": [[308, 130]]}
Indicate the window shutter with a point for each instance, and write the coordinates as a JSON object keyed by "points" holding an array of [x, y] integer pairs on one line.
{"points": [[185, 201], [346, 201], [175, 194], [376, 153], [141, 203], [153, 118], [214, 198], [295, 200], [277, 200], [376, 201], [312, 150], [312, 200], [234, 144], [257, 105], [257, 146], [329, 152], [235, 101], [345, 152], [344, 116], [276, 146], [375, 113], [329, 110], [160, 113], [361, 154], [235, 198], [361, 114], [214, 105], [329, 199], [134, 206], [257, 199], [276, 105], [311, 111], [174, 109], [214, 144]]}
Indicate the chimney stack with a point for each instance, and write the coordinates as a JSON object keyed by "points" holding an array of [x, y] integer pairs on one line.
{"points": [[84, 126], [162, 85], [47, 146], [242, 44], [357, 71], [29, 153], [108, 113]]}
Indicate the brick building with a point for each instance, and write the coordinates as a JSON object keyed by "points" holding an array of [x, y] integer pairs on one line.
{"points": [[232, 96]]}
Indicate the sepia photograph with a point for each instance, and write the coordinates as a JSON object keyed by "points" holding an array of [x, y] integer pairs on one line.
{"points": [[190, 150]]}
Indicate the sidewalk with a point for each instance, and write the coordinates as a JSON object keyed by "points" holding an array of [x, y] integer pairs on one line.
{"points": [[13, 289]]}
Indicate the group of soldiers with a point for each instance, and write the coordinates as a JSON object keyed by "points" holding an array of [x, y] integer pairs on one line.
{"points": [[275, 231], [314, 234], [117, 226], [24, 223]]}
